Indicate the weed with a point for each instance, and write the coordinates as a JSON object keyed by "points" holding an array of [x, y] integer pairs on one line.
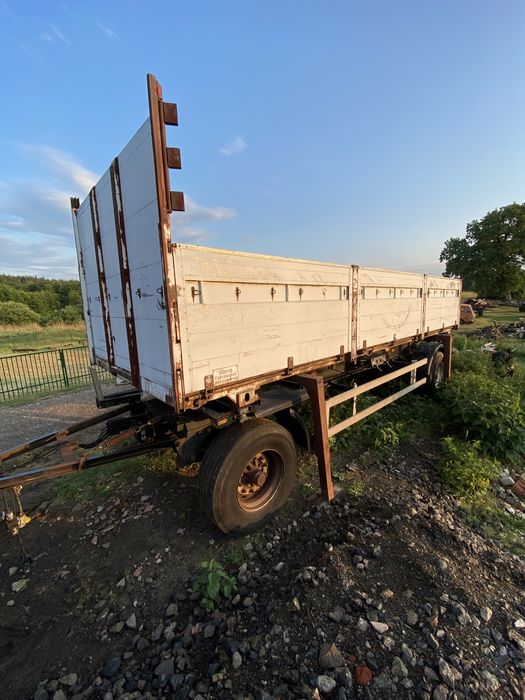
{"points": [[465, 470], [497, 523], [234, 555], [479, 407], [355, 487], [212, 583], [96, 483]]}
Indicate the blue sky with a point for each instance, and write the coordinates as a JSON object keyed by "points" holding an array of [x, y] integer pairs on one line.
{"points": [[362, 132]]}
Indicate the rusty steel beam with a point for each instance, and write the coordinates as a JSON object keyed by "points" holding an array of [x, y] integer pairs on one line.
{"points": [[314, 385]]}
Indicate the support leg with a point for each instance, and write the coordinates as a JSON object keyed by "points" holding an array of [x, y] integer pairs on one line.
{"points": [[314, 385], [446, 339]]}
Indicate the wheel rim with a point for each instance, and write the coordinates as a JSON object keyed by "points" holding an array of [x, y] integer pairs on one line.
{"points": [[260, 480], [439, 374]]}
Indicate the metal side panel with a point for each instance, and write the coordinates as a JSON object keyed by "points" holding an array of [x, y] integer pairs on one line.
{"points": [[243, 315], [75, 204], [93, 310], [443, 300], [141, 221], [108, 238], [389, 306]]}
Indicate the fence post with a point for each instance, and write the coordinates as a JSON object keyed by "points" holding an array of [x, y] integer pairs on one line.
{"points": [[64, 367]]}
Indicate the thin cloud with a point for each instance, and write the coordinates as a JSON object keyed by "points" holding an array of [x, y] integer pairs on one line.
{"points": [[185, 225], [236, 146], [64, 165], [107, 31], [60, 35], [46, 36]]}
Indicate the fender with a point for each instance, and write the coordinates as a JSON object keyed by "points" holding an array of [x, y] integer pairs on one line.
{"points": [[295, 425]]}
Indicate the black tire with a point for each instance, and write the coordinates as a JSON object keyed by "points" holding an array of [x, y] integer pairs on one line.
{"points": [[436, 372], [247, 450]]}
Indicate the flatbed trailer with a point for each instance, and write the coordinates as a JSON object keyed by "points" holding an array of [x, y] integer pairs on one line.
{"points": [[222, 347]]}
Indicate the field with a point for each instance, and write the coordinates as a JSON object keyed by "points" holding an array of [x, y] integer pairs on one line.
{"points": [[33, 337]]}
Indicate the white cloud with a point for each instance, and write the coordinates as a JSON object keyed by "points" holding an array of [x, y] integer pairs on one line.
{"points": [[46, 36], [64, 165], [107, 31], [237, 145], [60, 35], [183, 224]]}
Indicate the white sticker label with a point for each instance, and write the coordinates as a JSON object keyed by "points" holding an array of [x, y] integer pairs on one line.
{"points": [[225, 375]]}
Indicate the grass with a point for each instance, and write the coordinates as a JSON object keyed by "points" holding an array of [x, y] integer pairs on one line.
{"points": [[498, 524], [498, 314], [96, 483], [33, 337]]}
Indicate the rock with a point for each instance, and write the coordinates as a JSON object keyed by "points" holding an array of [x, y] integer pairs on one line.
{"points": [[506, 480], [337, 614], [380, 627], [490, 680], [165, 669], [440, 692], [69, 679], [330, 656], [209, 631], [236, 660], [399, 670], [326, 684], [131, 622], [520, 624], [172, 610], [278, 566], [430, 674], [448, 673], [412, 618], [117, 627], [111, 667], [19, 585], [41, 694], [363, 675], [387, 594], [59, 695], [485, 614], [362, 625], [10, 603]]}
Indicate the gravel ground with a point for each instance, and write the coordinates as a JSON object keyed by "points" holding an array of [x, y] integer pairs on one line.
{"points": [[23, 422]]}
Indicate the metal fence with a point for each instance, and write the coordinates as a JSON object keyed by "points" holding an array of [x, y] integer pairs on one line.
{"points": [[46, 371]]}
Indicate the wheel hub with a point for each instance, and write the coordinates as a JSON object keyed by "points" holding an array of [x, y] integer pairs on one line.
{"points": [[253, 477]]}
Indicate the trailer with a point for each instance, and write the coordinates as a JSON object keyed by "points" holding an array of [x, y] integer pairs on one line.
{"points": [[222, 348]]}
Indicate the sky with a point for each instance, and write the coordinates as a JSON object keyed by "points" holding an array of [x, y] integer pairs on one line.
{"points": [[364, 132]]}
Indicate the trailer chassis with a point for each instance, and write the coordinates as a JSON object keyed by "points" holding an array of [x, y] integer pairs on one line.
{"points": [[190, 433]]}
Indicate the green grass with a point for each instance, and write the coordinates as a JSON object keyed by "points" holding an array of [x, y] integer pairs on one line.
{"points": [[499, 524], [14, 339], [98, 482], [499, 314]]}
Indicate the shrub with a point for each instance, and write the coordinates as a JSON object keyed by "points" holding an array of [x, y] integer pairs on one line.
{"points": [[212, 582], [465, 470], [489, 410], [472, 361], [14, 313]]}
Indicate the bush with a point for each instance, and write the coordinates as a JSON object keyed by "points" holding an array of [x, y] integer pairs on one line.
{"points": [[465, 470], [13, 313], [479, 407], [472, 361]]}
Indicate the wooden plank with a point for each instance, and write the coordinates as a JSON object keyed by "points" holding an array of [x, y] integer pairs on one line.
{"points": [[352, 393], [372, 409]]}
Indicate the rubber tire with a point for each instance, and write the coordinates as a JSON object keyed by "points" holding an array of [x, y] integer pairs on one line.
{"points": [[223, 464], [437, 365]]}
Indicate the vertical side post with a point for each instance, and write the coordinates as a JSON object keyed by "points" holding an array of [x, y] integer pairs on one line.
{"points": [[446, 339], [314, 386], [64, 366]]}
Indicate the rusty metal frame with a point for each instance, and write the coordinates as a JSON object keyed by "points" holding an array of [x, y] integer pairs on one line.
{"points": [[162, 113], [99, 256], [446, 340], [127, 298]]}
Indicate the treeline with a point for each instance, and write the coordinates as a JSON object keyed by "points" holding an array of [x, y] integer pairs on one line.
{"points": [[39, 300]]}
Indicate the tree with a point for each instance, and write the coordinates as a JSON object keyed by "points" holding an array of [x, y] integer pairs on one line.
{"points": [[491, 257], [13, 313]]}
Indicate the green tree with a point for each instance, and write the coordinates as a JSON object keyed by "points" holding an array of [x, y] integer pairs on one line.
{"points": [[491, 257], [13, 313]]}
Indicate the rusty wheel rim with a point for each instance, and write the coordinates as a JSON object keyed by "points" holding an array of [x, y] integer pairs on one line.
{"points": [[260, 480]]}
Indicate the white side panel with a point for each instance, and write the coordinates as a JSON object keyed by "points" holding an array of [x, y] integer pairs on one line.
{"points": [[442, 303], [94, 314], [141, 222], [83, 288], [390, 306], [244, 315], [108, 237]]}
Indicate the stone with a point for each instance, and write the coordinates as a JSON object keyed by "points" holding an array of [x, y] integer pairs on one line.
{"points": [[412, 618], [485, 614], [165, 669], [362, 625], [520, 624], [399, 670], [236, 660], [448, 673], [380, 627], [19, 585], [490, 680], [278, 566], [506, 480], [117, 627], [440, 692], [41, 694], [330, 656], [131, 622], [59, 695], [363, 675], [430, 674], [209, 631], [172, 610], [326, 684], [111, 667], [337, 614], [69, 679]]}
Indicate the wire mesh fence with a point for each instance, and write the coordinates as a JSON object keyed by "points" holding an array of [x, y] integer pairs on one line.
{"points": [[39, 372]]}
